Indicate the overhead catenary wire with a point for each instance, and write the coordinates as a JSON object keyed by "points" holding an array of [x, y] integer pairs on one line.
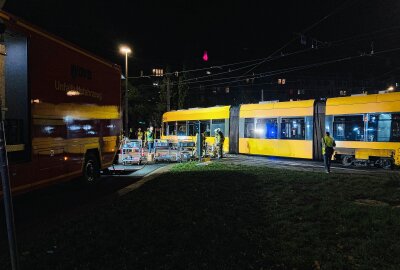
{"points": [[303, 67], [364, 35], [285, 70], [303, 32], [266, 59], [254, 60], [202, 69], [331, 44]]}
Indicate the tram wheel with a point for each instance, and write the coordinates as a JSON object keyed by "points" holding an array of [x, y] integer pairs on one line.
{"points": [[386, 163], [347, 161]]}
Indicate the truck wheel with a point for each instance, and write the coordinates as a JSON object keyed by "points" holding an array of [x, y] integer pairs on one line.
{"points": [[347, 161], [91, 169]]}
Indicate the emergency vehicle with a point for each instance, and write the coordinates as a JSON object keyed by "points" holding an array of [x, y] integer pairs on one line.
{"points": [[62, 107]]}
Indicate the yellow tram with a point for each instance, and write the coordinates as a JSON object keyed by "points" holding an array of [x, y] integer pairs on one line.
{"points": [[277, 129], [366, 128], [182, 124]]}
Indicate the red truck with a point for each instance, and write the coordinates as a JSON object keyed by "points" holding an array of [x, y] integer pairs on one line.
{"points": [[62, 107]]}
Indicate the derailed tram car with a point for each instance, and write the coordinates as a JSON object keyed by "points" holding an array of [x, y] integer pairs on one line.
{"points": [[284, 129], [366, 129], [183, 124]]}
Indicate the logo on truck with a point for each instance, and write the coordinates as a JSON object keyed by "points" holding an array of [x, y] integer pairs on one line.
{"points": [[71, 89]]}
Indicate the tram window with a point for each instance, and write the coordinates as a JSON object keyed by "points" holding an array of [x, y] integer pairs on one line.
{"points": [[249, 127], [164, 132], [217, 123], [272, 129], [192, 128], [266, 128], [205, 128], [293, 128], [171, 128], [260, 130], [181, 128], [395, 136], [309, 128], [379, 127], [348, 128], [329, 123]]}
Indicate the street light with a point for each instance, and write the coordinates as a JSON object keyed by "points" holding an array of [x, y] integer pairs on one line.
{"points": [[126, 50]]}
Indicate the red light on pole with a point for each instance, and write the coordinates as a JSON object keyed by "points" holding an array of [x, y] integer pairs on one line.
{"points": [[205, 56]]}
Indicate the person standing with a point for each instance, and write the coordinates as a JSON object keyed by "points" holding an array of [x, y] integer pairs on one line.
{"points": [[219, 141], [200, 144], [327, 150], [139, 134], [150, 139], [145, 137]]}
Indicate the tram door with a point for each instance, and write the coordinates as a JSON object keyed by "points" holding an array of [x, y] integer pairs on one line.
{"points": [[319, 128], [234, 130]]}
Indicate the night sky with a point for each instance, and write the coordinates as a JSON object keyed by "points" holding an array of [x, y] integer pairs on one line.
{"points": [[177, 32]]}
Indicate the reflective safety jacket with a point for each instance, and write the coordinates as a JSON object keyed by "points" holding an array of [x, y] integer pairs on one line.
{"points": [[149, 136], [140, 135], [219, 138], [327, 141]]}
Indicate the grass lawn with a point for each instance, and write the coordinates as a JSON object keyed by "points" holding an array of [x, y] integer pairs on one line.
{"points": [[228, 217]]}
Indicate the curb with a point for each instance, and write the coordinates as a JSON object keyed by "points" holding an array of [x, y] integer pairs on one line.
{"points": [[146, 178]]}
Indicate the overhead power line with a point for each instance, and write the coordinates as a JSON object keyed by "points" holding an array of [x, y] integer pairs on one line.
{"points": [[303, 32], [194, 80], [303, 67]]}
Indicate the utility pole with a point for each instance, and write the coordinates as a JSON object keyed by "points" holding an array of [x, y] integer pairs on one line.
{"points": [[4, 172], [126, 50], [168, 95], [126, 97], [262, 95]]}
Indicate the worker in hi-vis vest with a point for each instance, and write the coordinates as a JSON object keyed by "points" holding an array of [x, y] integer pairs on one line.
{"points": [[139, 134], [150, 139], [327, 150]]}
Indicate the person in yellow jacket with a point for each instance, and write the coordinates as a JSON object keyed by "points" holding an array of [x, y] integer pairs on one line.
{"points": [[139, 134], [327, 150]]}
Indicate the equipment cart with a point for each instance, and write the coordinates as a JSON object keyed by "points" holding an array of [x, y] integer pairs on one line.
{"points": [[164, 150], [132, 152], [186, 150]]}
